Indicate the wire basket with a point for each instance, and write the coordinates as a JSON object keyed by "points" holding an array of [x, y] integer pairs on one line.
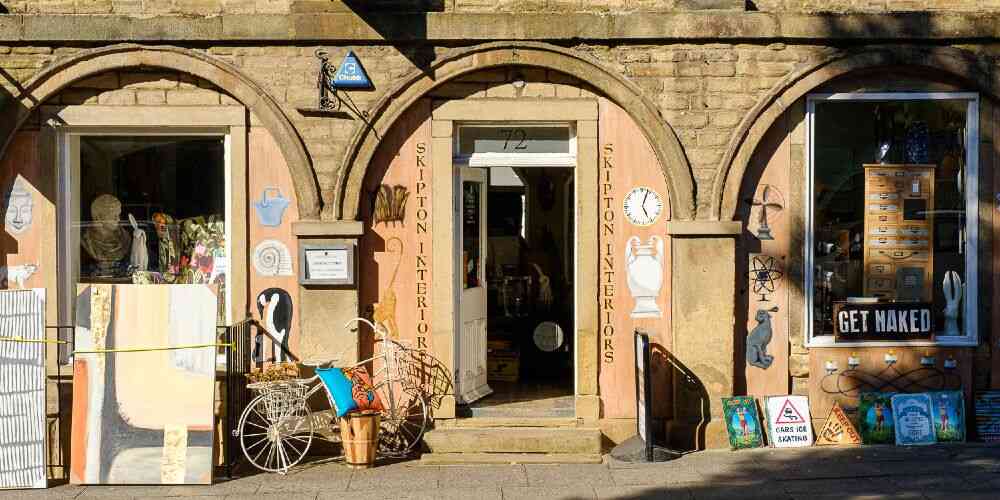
{"points": [[282, 398]]}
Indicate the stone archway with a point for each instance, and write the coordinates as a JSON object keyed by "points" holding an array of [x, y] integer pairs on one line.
{"points": [[626, 94], [959, 63], [63, 72]]}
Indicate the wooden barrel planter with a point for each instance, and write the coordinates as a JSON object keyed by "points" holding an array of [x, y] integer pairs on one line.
{"points": [[359, 434]]}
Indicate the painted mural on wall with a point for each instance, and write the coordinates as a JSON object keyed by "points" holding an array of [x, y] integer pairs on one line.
{"points": [[28, 245], [18, 204], [123, 433], [396, 251], [273, 282], [634, 259]]}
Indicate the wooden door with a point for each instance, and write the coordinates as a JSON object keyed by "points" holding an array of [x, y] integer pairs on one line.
{"points": [[471, 256]]}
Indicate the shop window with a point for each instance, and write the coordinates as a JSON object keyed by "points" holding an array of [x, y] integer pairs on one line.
{"points": [[146, 209], [891, 240]]}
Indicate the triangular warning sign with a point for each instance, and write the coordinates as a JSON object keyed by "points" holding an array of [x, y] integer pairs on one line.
{"points": [[838, 430], [351, 74], [789, 414]]}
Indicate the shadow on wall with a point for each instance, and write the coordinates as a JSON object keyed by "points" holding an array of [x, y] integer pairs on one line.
{"points": [[412, 27], [691, 412]]}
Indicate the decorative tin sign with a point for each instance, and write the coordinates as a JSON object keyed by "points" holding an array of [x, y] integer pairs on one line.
{"points": [[987, 405], [913, 422], [351, 74], [948, 410], [838, 430], [883, 321], [875, 422], [788, 422], [742, 422]]}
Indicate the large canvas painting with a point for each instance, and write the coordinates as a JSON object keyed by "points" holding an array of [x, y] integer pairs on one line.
{"points": [[22, 389], [143, 417]]}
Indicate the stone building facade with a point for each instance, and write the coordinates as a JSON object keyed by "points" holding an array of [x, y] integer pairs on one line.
{"points": [[713, 96]]}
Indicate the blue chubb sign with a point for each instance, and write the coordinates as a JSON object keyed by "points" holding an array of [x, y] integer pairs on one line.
{"points": [[351, 74]]}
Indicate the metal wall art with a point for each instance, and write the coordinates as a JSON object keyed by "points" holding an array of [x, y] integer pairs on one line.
{"points": [[274, 306], [390, 204], [384, 311], [270, 207], [272, 258], [759, 338], [912, 419], [768, 203], [855, 380], [645, 275], [875, 421], [987, 408], [765, 275], [742, 422], [948, 410], [18, 205]]}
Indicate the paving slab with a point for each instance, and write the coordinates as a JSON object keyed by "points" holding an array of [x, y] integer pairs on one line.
{"points": [[583, 474], [641, 493], [471, 476], [564, 492], [482, 493], [654, 477]]}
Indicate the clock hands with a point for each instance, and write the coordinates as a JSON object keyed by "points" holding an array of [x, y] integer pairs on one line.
{"points": [[644, 205]]}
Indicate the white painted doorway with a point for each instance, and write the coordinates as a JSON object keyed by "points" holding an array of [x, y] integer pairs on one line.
{"points": [[470, 213]]}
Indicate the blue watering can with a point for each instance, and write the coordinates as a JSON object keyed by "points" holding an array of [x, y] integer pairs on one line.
{"points": [[270, 210]]}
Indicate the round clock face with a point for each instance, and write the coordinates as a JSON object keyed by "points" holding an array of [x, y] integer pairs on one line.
{"points": [[643, 206]]}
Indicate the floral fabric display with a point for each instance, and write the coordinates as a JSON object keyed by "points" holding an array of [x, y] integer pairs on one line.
{"points": [[203, 243]]}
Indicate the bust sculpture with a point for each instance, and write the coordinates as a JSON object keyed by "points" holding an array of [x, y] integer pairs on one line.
{"points": [[105, 240]]}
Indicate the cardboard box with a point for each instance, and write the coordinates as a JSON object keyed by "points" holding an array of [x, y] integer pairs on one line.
{"points": [[503, 366]]}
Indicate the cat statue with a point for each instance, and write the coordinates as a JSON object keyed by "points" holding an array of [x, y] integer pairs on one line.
{"points": [[759, 338], [18, 274]]}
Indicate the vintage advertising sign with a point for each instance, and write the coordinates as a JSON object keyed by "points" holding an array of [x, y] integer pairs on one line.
{"points": [[351, 74], [838, 430], [987, 406], [883, 321], [948, 410], [742, 422], [788, 422], [875, 422], [914, 424]]}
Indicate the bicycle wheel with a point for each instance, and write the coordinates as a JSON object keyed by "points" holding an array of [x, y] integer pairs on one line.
{"points": [[403, 421], [275, 432]]}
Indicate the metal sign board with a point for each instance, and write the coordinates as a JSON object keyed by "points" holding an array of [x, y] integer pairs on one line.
{"points": [[788, 421], [838, 430], [642, 393], [351, 74], [883, 321]]}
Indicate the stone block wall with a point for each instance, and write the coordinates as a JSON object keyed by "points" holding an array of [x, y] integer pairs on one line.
{"points": [[218, 7]]}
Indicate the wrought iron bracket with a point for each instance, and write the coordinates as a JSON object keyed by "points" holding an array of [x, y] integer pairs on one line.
{"points": [[328, 98]]}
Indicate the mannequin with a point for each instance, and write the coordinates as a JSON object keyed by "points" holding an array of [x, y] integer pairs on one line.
{"points": [[105, 240]]}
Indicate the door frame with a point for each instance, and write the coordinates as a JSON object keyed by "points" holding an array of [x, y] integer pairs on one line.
{"points": [[583, 115]]}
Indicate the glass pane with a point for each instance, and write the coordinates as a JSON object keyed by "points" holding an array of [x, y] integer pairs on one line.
{"points": [[471, 259], [523, 139], [889, 212], [152, 210]]}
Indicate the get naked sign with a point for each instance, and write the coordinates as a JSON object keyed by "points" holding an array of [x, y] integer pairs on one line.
{"points": [[883, 321]]}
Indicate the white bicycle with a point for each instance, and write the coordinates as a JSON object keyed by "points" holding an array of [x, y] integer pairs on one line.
{"points": [[278, 426]]}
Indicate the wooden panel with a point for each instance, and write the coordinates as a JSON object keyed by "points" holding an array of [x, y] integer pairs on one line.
{"points": [[824, 389], [771, 163], [268, 182], [627, 161], [396, 256]]}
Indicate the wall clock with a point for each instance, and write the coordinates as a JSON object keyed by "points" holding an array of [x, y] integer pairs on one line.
{"points": [[643, 206]]}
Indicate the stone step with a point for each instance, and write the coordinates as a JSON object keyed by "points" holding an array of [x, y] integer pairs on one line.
{"points": [[508, 458], [514, 440], [485, 422]]}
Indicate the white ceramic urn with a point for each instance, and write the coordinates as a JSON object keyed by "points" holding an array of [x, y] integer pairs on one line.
{"points": [[644, 264]]}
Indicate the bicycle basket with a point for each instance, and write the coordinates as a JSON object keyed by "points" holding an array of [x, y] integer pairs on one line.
{"points": [[282, 397]]}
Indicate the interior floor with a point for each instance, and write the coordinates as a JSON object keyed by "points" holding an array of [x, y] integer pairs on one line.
{"points": [[530, 291]]}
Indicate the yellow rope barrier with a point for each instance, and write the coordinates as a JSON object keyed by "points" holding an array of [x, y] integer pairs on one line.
{"points": [[32, 341], [152, 349]]}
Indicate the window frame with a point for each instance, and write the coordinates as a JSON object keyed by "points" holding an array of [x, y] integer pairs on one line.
{"points": [[70, 123], [970, 304]]}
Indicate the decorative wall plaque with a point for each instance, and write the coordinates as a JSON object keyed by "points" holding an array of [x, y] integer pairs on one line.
{"points": [[327, 264]]}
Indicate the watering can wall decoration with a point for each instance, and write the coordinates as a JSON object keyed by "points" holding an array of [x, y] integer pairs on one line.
{"points": [[270, 210]]}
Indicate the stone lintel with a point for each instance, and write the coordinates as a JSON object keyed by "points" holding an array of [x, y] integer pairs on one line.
{"points": [[476, 27], [323, 229], [700, 228]]}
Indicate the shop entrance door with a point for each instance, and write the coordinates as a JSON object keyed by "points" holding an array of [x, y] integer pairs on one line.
{"points": [[471, 340]]}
